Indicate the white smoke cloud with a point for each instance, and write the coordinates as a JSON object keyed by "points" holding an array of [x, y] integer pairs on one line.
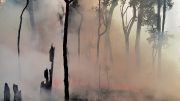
{"points": [[125, 78]]}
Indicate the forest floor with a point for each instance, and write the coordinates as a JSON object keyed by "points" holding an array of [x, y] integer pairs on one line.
{"points": [[119, 95]]}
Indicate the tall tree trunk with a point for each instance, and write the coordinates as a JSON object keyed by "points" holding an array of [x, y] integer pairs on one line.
{"points": [[19, 36], [20, 25], [159, 33], [65, 52], [161, 36], [127, 28], [127, 43], [138, 34], [164, 16], [79, 33], [51, 58], [107, 37], [99, 29]]}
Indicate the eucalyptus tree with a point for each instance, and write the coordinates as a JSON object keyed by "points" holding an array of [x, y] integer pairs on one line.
{"points": [[127, 23], [19, 33], [65, 50], [145, 11], [157, 32], [32, 6], [75, 7], [105, 10]]}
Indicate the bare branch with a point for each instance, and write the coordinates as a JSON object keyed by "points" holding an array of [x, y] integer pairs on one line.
{"points": [[126, 9]]}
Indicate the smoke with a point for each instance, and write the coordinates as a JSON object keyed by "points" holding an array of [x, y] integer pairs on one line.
{"points": [[128, 82]]}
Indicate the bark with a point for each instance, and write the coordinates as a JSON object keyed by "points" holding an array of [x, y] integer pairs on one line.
{"points": [[138, 34]]}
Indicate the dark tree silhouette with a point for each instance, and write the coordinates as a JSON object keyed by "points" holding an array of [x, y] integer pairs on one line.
{"points": [[20, 25], [32, 6], [157, 32], [19, 35], [127, 25], [7, 94], [17, 93], [65, 50], [51, 58], [99, 27], [144, 10], [46, 86], [160, 27]]}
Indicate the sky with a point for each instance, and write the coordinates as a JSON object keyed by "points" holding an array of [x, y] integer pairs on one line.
{"points": [[84, 71]]}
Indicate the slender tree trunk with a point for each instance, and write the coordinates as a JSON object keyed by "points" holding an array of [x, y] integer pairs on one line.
{"points": [[65, 52], [99, 29], [107, 37], [127, 28], [159, 16], [127, 43], [98, 45], [138, 34], [99, 77], [51, 58], [164, 15], [19, 37], [79, 33], [159, 33], [20, 25]]}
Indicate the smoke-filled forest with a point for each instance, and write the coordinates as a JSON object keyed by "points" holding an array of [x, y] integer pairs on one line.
{"points": [[89, 50]]}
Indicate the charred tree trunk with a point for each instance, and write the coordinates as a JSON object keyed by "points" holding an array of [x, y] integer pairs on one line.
{"points": [[19, 37], [20, 25], [164, 15], [65, 51], [138, 35], [159, 33], [51, 55]]}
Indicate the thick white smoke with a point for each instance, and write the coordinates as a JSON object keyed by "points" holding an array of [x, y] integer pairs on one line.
{"points": [[127, 82]]}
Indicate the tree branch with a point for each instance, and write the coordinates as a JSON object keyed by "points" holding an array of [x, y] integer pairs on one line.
{"points": [[126, 9]]}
